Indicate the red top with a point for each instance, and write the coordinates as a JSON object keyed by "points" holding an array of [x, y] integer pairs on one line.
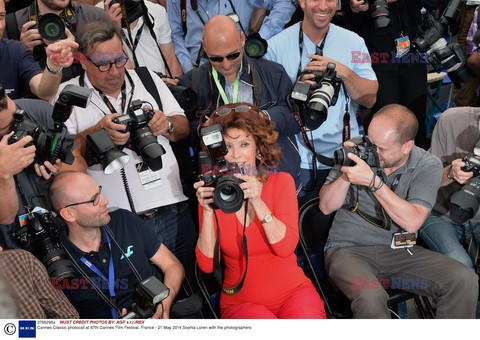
{"points": [[273, 272]]}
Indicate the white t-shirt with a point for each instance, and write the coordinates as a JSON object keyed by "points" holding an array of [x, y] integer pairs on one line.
{"points": [[146, 51], [159, 188]]}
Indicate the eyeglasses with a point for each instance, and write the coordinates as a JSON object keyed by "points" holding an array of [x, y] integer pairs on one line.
{"points": [[95, 200], [226, 110], [105, 67], [231, 56]]}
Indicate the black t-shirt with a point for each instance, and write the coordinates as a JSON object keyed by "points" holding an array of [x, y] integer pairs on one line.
{"points": [[34, 187], [17, 68], [137, 241]]}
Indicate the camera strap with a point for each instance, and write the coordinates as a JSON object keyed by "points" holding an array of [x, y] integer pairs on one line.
{"points": [[222, 91], [319, 49], [217, 268], [128, 41], [111, 275], [384, 223]]}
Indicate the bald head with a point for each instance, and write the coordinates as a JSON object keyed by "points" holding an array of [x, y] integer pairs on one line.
{"points": [[403, 121], [220, 29], [68, 188]]}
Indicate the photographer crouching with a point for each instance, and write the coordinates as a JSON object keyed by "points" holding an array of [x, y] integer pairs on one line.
{"points": [[379, 210], [34, 147], [111, 257]]}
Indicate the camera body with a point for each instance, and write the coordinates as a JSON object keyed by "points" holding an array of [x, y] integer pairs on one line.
{"points": [[133, 9], [218, 173], [186, 97], [472, 164], [39, 234], [148, 295], [314, 100], [136, 121], [363, 148], [55, 143], [443, 55]]}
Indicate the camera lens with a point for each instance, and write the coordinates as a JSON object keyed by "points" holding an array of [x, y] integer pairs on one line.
{"points": [[464, 203], [51, 27], [228, 195], [380, 14], [340, 156], [148, 146], [55, 259]]}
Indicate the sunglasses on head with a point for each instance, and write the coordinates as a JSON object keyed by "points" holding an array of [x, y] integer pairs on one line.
{"points": [[226, 110], [231, 56]]}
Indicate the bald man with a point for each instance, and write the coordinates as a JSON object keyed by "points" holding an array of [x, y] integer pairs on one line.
{"points": [[368, 244], [230, 77], [106, 239]]}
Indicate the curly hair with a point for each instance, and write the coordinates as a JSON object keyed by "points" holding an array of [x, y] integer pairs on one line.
{"points": [[262, 130]]}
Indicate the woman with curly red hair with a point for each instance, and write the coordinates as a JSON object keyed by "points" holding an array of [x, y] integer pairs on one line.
{"points": [[257, 243]]}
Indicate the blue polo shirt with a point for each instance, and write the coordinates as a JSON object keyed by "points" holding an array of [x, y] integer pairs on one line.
{"points": [[17, 67], [139, 243]]}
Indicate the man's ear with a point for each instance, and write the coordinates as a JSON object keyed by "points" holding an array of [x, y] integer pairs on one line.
{"points": [[408, 146], [67, 215]]}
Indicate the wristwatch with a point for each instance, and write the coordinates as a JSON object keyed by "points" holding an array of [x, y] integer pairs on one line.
{"points": [[170, 128], [267, 218]]}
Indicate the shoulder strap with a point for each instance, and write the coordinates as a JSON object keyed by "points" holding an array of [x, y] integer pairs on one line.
{"points": [[183, 14], [149, 84], [257, 86], [11, 26]]}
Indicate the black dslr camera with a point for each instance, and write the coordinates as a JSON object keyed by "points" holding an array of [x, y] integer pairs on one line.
{"points": [[56, 143], [472, 163], [148, 295], [314, 100], [443, 55], [465, 203], [363, 148], [186, 97], [39, 234], [216, 172], [133, 10], [136, 121], [52, 27]]}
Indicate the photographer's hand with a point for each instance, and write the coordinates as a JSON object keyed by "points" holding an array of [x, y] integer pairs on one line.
{"points": [[115, 131], [204, 196], [359, 6], [47, 170], [457, 173], [158, 123], [59, 54], [319, 64], [30, 37], [360, 173], [173, 81], [15, 157], [114, 12]]}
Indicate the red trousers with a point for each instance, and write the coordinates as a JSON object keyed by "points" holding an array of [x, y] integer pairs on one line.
{"points": [[303, 303]]}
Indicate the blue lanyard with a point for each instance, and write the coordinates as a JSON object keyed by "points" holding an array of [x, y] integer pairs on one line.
{"points": [[111, 274]]}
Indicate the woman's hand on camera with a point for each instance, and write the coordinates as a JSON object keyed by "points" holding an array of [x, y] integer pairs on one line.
{"points": [[204, 195], [252, 187]]}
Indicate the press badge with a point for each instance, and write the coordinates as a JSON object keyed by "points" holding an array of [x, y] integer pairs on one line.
{"points": [[23, 219], [403, 45], [149, 179], [403, 240]]}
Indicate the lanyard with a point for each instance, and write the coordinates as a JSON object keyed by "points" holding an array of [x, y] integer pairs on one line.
{"points": [[111, 274], [124, 96], [220, 88], [128, 41], [300, 47]]}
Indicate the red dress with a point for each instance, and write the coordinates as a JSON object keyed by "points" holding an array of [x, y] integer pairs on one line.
{"points": [[273, 272]]}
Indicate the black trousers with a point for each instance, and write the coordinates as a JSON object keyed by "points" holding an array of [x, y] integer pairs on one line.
{"points": [[408, 87]]}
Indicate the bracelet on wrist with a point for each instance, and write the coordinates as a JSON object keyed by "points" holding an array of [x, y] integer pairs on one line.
{"points": [[449, 173], [373, 190], [51, 70]]}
